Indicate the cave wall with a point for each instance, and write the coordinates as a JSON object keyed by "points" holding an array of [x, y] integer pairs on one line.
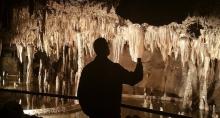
{"points": [[176, 61]]}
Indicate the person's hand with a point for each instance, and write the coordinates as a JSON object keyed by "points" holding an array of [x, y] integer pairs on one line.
{"points": [[139, 60]]}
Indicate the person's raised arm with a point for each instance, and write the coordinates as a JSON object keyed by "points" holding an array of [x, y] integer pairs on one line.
{"points": [[133, 78]]}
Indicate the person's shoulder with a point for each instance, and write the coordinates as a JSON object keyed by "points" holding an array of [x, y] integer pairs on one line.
{"points": [[117, 65], [89, 65]]}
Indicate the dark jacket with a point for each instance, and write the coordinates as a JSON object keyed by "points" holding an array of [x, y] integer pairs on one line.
{"points": [[100, 87]]}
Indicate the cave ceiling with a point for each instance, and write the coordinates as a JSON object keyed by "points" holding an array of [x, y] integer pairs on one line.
{"points": [[153, 12], [162, 12]]}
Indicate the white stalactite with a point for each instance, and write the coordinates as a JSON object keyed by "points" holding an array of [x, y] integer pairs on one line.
{"points": [[80, 61], [57, 48], [135, 38], [187, 101], [151, 37], [203, 105], [64, 58], [78, 28], [117, 46], [184, 50], [29, 65], [19, 51]]}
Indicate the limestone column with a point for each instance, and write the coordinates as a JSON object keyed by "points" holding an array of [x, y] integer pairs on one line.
{"points": [[29, 65]]}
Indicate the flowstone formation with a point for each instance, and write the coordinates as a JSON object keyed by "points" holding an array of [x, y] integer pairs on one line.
{"points": [[63, 36]]}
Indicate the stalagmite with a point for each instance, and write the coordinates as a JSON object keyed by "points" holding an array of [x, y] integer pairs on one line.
{"points": [[40, 89], [56, 101], [28, 97], [45, 89], [3, 82], [214, 114], [161, 109], [32, 102], [57, 85], [72, 77], [151, 104], [19, 78], [145, 104], [63, 87], [40, 73], [29, 66], [20, 101], [48, 88]]}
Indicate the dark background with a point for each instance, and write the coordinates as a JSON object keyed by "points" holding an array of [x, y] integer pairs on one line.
{"points": [[154, 12]]}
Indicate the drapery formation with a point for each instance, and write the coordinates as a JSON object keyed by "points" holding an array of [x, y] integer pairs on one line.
{"points": [[67, 32]]}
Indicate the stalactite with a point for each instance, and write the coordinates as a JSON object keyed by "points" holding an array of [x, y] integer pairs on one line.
{"points": [[187, 98], [184, 50], [118, 46], [19, 51], [174, 37], [78, 27], [46, 46], [29, 65], [64, 58], [163, 42], [150, 38], [80, 61], [184, 80], [135, 37], [57, 47], [203, 105]]}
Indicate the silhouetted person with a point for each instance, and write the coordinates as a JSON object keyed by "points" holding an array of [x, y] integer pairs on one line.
{"points": [[100, 85]]}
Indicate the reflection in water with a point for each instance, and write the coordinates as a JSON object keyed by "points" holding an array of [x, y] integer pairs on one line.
{"points": [[79, 114], [64, 87], [36, 102]]}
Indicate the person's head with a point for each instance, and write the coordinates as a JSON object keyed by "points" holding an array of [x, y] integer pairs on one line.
{"points": [[101, 47]]}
